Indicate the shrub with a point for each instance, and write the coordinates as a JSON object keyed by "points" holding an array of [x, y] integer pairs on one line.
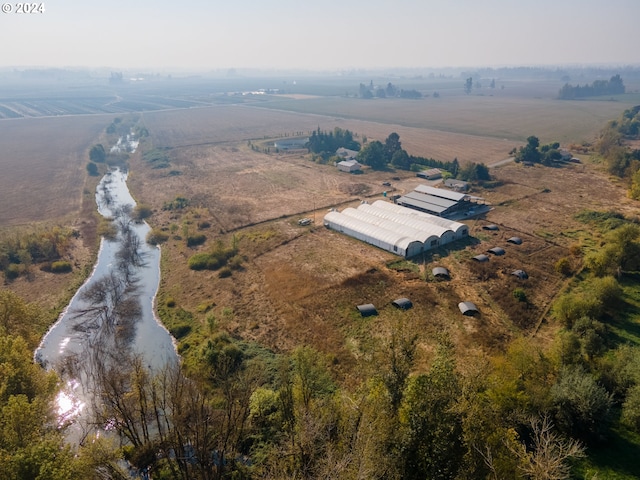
{"points": [[180, 331], [141, 212], [224, 272], [12, 271], [202, 261], [92, 169], [170, 302], [563, 266], [155, 237], [195, 240], [520, 295], [61, 266]]}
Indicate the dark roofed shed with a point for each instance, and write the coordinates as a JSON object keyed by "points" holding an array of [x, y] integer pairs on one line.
{"points": [[441, 272], [402, 303], [497, 251], [367, 309]]}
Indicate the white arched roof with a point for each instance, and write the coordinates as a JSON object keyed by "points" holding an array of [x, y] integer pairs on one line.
{"points": [[410, 220], [424, 237], [389, 240], [456, 227]]}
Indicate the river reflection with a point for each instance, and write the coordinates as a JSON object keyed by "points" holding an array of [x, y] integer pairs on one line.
{"points": [[111, 317]]}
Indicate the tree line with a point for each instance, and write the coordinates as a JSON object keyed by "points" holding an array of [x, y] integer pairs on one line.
{"points": [[621, 160], [613, 86], [370, 91]]}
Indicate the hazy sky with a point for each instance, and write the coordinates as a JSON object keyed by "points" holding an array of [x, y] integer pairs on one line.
{"points": [[321, 34]]}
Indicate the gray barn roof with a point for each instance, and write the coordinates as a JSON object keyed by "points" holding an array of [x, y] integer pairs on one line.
{"points": [[497, 251], [515, 240], [440, 192], [481, 258]]}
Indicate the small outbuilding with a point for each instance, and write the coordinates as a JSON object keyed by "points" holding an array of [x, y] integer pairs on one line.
{"points": [[402, 303], [441, 273], [521, 274], [481, 258], [497, 251], [468, 308], [349, 166], [367, 310], [491, 227], [515, 240]]}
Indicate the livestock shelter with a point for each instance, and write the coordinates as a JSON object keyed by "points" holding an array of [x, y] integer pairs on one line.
{"points": [[468, 308], [521, 274], [481, 258], [436, 201], [515, 240], [367, 309], [441, 272], [459, 229], [497, 251], [431, 174], [402, 303], [397, 230]]}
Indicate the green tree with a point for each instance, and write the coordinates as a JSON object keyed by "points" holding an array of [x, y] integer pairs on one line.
{"points": [[97, 153], [432, 444], [468, 85], [392, 145], [582, 406], [373, 155], [92, 169]]}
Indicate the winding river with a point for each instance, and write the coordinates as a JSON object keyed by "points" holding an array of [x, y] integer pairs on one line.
{"points": [[112, 316]]}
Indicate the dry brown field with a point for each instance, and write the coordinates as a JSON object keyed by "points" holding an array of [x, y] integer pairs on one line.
{"points": [[300, 285], [43, 164]]}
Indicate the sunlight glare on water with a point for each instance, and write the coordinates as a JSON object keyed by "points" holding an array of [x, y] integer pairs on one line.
{"points": [[69, 405]]}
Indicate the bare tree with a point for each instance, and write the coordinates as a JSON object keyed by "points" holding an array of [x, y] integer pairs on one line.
{"points": [[548, 456]]}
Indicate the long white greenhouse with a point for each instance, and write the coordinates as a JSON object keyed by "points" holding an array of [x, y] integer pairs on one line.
{"points": [[394, 228]]}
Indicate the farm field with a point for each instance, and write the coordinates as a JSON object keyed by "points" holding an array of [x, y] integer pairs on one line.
{"points": [[213, 179], [43, 167], [300, 285]]}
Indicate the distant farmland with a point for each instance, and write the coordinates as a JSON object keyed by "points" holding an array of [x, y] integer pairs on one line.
{"points": [[43, 166]]}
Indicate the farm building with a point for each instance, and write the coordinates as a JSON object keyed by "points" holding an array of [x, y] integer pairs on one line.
{"points": [[468, 308], [459, 229], [515, 240], [458, 185], [349, 166], [441, 273], [481, 258], [291, 143], [497, 251], [436, 201], [521, 274], [431, 174], [346, 153], [402, 303], [397, 230], [367, 309]]}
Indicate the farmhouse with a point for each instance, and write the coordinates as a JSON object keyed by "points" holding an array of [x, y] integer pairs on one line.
{"points": [[349, 166], [436, 201], [397, 229]]}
